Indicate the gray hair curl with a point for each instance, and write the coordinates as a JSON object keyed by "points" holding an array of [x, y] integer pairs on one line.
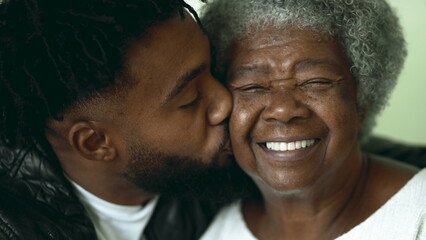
{"points": [[368, 30]]}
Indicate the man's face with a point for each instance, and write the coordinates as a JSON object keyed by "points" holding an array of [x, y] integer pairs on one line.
{"points": [[172, 120]]}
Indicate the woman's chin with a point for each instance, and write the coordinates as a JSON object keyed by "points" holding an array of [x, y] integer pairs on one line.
{"points": [[284, 184]]}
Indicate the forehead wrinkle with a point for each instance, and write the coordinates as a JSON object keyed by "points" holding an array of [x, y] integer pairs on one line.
{"points": [[275, 69], [254, 68], [308, 63]]}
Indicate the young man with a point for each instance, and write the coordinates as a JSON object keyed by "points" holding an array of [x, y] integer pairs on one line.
{"points": [[106, 104]]}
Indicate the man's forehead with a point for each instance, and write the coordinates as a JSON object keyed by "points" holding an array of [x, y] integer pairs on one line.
{"points": [[172, 49], [166, 46], [168, 29]]}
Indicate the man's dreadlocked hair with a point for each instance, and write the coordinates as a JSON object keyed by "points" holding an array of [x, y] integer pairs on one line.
{"points": [[54, 54]]}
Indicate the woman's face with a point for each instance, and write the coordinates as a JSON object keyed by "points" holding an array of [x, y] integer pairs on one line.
{"points": [[295, 120]]}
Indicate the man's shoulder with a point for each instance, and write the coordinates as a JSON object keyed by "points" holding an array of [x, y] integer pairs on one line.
{"points": [[35, 202], [21, 216], [24, 215], [9, 204]]}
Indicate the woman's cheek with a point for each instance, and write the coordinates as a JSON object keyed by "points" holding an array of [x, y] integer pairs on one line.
{"points": [[241, 118], [243, 121]]}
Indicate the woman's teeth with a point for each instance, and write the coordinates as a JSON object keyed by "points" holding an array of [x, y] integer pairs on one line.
{"points": [[289, 146]]}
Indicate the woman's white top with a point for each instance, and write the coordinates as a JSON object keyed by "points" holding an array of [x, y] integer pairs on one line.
{"points": [[402, 217], [113, 221]]}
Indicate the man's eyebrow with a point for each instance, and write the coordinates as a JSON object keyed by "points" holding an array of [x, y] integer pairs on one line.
{"points": [[314, 62], [183, 81]]}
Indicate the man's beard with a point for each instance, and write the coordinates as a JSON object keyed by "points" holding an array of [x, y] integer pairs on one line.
{"points": [[176, 176]]}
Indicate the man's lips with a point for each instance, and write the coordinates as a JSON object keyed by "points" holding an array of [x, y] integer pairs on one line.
{"points": [[227, 147]]}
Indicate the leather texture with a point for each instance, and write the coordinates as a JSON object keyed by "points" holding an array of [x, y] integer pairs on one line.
{"points": [[37, 202]]}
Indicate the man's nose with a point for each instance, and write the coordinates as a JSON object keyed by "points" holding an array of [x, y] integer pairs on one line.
{"points": [[284, 106], [220, 106]]}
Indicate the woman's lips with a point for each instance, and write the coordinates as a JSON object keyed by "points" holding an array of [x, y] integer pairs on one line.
{"points": [[288, 151], [289, 146]]}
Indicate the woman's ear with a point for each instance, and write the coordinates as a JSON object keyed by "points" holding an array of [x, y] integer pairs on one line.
{"points": [[92, 141], [362, 114]]}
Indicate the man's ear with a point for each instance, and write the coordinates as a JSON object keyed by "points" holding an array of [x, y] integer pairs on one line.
{"points": [[92, 141]]}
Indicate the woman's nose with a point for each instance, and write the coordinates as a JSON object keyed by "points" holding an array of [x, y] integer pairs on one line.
{"points": [[284, 106], [220, 106]]}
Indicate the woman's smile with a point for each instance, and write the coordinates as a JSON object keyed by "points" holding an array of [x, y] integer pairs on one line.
{"points": [[281, 150]]}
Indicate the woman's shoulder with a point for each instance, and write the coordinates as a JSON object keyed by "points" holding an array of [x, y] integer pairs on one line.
{"points": [[396, 197], [386, 178], [388, 174]]}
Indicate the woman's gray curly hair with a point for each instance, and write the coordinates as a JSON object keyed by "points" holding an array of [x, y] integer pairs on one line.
{"points": [[368, 30]]}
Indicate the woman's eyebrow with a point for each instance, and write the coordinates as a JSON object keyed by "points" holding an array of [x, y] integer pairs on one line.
{"points": [[315, 62], [255, 68]]}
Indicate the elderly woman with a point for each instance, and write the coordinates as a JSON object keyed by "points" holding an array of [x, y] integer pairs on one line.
{"points": [[308, 78]]}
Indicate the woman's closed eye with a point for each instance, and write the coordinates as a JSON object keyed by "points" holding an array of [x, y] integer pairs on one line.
{"points": [[250, 88], [319, 83]]}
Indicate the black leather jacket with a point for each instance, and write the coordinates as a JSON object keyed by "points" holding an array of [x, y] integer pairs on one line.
{"points": [[37, 203]]}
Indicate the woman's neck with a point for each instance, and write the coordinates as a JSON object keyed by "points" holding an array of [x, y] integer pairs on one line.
{"points": [[322, 211]]}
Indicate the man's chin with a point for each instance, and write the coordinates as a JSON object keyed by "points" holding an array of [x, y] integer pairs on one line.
{"points": [[223, 160], [225, 157], [177, 176], [183, 177]]}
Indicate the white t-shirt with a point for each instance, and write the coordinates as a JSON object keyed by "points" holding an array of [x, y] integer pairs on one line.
{"points": [[113, 221], [402, 217]]}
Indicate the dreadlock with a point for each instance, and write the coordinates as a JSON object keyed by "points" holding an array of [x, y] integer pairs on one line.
{"points": [[54, 54]]}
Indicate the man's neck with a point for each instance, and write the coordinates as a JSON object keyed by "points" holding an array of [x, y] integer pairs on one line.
{"points": [[116, 192]]}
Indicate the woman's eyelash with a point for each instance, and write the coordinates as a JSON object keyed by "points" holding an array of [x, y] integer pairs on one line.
{"points": [[251, 88], [321, 81], [317, 81]]}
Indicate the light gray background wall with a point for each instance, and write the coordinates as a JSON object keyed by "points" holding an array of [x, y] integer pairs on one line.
{"points": [[405, 117]]}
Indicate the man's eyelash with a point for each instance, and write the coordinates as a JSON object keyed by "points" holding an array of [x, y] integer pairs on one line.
{"points": [[192, 103]]}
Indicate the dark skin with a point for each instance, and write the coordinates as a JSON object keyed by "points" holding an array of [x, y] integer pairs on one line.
{"points": [[294, 131], [175, 107]]}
